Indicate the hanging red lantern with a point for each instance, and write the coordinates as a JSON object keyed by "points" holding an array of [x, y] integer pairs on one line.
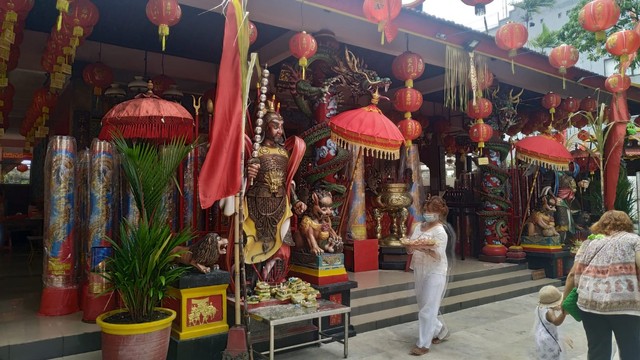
{"points": [[407, 67], [551, 101], [623, 43], [480, 110], [303, 46], [579, 121], [253, 33], [22, 168], [561, 119], [480, 133], [570, 105], [407, 100], [410, 129], [563, 57], [82, 15], [163, 14], [589, 104], [511, 37], [97, 75], [617, 83], [539, 120], [161, 83], [12, 11], [479, 5], [599, 15], [382, 12]]}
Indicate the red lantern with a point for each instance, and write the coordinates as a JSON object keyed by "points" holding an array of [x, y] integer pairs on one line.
{"points": [[551, 101], [589, 104], [303, 46], [480, 132], [82, 15], [12, 10], [617, 83], [163, 14], [511, 37], [410, 129], [599, 15], [382, 12], [480, 110], [623, 43], [407, 100], [161, 83], [561, 119], [570, 105], [479, 5], [407, 67], [539, 120], [97, 75], [579, 121], [563, 57], [253, 33], [22, 168]]}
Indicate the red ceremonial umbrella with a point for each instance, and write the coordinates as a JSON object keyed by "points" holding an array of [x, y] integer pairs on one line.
{"points": [[148, 117], [368, 128], [545, 151]]}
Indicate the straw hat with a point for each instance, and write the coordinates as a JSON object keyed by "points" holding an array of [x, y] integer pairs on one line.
{"points": [[549, 296]]}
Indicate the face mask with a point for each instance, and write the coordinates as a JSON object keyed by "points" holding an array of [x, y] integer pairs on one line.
{"points": [[428, 217]]}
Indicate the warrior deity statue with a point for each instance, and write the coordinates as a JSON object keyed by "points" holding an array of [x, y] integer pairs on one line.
{"points": [[271, 194], [315, 232]]}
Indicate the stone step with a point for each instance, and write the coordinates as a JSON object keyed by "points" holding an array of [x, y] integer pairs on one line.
{"points": [[406, 296], [407, 313], [384, 289]]}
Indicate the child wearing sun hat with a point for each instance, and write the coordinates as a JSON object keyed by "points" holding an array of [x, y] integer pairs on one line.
{"points": [[548, 317]]}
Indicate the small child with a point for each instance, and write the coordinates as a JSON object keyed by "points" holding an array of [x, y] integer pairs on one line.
{"points": [[549, 316]]}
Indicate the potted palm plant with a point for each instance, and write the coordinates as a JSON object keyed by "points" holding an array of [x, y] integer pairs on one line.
{"points": [[142, 264]]}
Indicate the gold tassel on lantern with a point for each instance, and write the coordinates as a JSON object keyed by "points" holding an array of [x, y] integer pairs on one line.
{"points": [[63, 7], [303, 64], [163, 31]]}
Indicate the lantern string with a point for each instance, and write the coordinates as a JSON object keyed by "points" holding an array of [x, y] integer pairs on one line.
{"points": [[301, 15]]}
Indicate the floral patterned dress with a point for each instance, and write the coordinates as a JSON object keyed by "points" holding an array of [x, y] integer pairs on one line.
{"points": [[546, 335]]}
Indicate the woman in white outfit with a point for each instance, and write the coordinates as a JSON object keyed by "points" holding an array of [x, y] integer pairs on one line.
{"points": [[429, 264]]}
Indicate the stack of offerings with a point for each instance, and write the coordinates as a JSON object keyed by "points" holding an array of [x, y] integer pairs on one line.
{"points": [[298, 291]]}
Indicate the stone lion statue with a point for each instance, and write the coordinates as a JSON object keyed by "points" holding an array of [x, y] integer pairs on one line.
{"points": [[203, 254], [541, 221]]}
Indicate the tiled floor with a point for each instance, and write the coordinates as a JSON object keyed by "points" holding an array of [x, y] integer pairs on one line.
{"points": [[501, 330]]}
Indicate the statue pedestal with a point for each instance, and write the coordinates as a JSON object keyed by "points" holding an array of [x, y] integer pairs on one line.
{"points": [[555, 264], [361, 255], [200, 327], [539, 243], [320, 269], [393, 258]]}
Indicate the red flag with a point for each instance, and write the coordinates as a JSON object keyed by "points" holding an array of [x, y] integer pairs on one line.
{"points": [[220, 174]]}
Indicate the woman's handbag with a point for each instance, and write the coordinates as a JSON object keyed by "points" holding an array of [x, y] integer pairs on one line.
{"points": [[570, 304]]}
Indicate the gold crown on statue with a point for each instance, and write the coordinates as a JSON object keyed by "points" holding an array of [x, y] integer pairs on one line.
{"points": [[273, 106]]}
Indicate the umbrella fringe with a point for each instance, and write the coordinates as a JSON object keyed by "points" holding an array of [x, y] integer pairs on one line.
{"points": [[367, 150], [543, 163], [148, 131]]}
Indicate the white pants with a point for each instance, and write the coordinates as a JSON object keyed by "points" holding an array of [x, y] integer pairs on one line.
{"points": [[429, 290]]}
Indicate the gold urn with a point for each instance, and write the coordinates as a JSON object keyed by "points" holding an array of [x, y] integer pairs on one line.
{"points": [[393, 199]]}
